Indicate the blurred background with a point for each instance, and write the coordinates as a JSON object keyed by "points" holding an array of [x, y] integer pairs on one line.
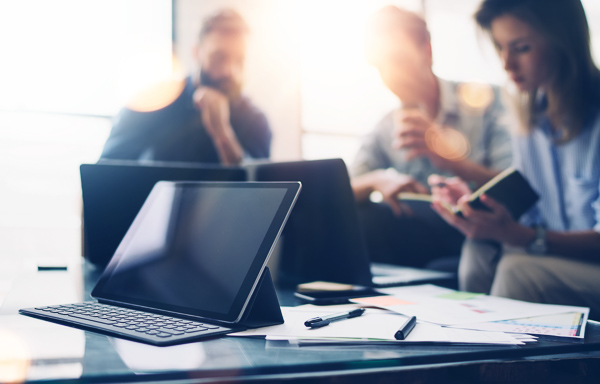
{"points": [[67, 66]]}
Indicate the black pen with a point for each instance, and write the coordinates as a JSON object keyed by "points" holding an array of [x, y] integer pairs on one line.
{"points": [[322, 321], [406, 328]]}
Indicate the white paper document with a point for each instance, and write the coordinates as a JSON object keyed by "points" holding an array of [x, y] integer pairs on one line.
{"points": [[443, 306], [569, 325], [373, 325]]}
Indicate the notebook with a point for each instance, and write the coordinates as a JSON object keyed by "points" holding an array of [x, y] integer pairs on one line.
{"points": [[171, 278], [113, 192], [323, 239]]}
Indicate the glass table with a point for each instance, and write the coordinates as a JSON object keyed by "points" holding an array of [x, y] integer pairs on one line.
{"points": [[35, 350]]}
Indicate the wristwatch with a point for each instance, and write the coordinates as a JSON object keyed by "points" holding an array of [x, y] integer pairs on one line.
{"points": [[538, 246]]}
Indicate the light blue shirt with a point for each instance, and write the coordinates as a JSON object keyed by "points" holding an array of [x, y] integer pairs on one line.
{"points": [[566, 175], [486, 130]]}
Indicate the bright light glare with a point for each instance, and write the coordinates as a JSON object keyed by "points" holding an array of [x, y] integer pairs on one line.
{"points": [[158, 96], [81, 56], [14, 358], [447, 143], [476, 96], [341, 92]]}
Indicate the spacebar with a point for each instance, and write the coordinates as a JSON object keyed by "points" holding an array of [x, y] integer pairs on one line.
{"points": [[95, 319]]}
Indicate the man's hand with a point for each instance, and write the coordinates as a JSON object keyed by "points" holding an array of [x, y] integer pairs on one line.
{"points": [[215, 117], [390, 183], [410, 126], [420, 137]]}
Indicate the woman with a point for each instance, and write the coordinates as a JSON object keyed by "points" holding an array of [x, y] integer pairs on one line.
{"points": [[553, 254]]}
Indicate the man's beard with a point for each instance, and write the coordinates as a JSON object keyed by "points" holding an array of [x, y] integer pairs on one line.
{"points": [[229, 87]]}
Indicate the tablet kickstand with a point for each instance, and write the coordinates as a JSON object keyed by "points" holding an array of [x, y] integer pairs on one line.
{"points": [[263, 309]]}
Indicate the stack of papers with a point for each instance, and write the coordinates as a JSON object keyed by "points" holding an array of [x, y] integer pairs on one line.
{"points": [[447, 307], [375, 326], [565, 325], [444, 316]]}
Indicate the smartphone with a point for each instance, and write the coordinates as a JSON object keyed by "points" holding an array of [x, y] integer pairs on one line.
{"points": [[335, 297]]}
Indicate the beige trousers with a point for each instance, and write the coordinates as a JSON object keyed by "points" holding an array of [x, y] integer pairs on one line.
{"points": [[489, 268]]}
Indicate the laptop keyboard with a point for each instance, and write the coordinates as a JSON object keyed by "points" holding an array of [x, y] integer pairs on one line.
{"points": [[143, 326]]}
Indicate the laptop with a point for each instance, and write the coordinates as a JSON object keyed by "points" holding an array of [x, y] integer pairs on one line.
{"points": [[171, 278], [323, 239], [113, 192]]}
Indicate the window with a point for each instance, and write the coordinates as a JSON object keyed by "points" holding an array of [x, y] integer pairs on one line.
{"points": [[67, 67]]}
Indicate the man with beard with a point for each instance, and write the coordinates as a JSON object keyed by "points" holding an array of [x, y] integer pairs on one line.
{"points": [[209, 121], [440, 127]]}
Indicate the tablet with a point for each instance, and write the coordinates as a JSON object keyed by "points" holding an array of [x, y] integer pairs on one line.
{"points": [[198, 248]]}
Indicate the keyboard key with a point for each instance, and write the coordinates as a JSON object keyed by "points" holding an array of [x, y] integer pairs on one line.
{"points": [[209, 326], [164, 335], [152, 332], [103, 321], [196, 329], [170, 331]]}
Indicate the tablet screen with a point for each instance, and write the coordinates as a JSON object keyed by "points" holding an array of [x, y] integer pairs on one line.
{"points": [[198, 248]]}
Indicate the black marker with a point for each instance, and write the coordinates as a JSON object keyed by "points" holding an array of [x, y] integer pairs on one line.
{"points": [[406, 328], [322, 321]]}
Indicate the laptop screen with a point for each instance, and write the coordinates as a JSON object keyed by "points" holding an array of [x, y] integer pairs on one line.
{"points": [[113, 193], [198, 248], [323, 239]]}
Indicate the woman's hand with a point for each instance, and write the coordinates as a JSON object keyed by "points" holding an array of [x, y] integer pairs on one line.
{"points": [[448, 189], [496, 224]]}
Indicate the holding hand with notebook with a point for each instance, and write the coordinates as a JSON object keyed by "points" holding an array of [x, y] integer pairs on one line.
{"points": [[491, 212]]}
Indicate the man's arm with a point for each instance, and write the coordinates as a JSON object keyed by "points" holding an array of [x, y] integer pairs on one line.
{"points": [[369, 163], [252, 129], [215, 117], [128, 137], [389, 183], [372, 170], [498, 121], [415, 132], [363, 185]]}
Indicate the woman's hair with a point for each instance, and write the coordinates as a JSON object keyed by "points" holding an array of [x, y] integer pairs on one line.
{"points": [[574, 85]]}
